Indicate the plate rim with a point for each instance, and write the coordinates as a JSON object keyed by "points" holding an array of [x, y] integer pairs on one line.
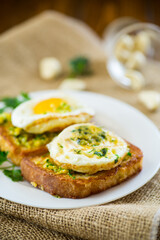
{"points": [[117, 101]]}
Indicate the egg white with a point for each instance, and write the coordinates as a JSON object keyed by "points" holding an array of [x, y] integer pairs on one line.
{"points": [[62, 152], [24, 117]]}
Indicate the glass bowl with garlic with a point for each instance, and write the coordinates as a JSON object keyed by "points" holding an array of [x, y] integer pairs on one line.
{"points": [[133, 56]]}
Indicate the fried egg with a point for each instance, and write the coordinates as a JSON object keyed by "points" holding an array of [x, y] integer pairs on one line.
{"points": [[52, 113], [87, 148]]}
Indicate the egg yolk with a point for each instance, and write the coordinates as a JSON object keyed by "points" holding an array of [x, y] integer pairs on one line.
{"points": [[49, 105]]}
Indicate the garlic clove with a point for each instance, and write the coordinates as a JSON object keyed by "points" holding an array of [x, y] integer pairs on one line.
{"points": [[126, 42], [124, 47], [136, 78], [49, 68], [150, 99], [136, 60], [122, 54], [142, 42], [73, 84]]}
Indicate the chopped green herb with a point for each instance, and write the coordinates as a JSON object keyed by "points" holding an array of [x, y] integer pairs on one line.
{"points": [[91, 150], [102, 152], [64, 107], [81, 141], [116, 160], [87, 136], [70, 174], [77, 151], [97, 139], [102, 135], [49, 163], [79, 130], [46, 154], [28, 140], [98, 153], [129, 154], [60, 145], [56, 196]]}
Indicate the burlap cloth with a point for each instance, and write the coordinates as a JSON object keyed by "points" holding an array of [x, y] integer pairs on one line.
{"points": [[134, 217]]}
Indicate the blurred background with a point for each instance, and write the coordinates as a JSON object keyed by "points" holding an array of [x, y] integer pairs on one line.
{"points": [[96, 13]]}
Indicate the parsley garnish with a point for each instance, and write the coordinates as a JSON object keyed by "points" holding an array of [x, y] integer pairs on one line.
{"points": [[14, 174], [116, 160], [102, 152], [10, 171], [70, 174], [13, 102], [87, 136], [79, 66], [56, 196], [60, 145], [47, 160], [98, 153], [102, 135], [3, 157], [2, 109], [64, 107], [129, 154], [91, 150], [77, 151]]}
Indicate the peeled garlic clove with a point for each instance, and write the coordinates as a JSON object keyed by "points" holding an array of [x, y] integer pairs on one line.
{"points": [[124, 47], [49, 68], [150, 99], [136, 78], [122, 55], [126, 42], [73, 84], [136, 60], [142, 42]]}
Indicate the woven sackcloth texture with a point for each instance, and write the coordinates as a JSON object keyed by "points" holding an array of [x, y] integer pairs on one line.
{"points": [[14, 228], [134, 217]]}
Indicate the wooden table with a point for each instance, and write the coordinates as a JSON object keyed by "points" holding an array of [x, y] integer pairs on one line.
{"points": [[96, 13]]}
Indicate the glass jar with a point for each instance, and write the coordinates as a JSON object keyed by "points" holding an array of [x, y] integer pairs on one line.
{"points": [[133, 53]]}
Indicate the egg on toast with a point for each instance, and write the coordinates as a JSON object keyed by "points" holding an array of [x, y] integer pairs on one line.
{"points": [[53, 113], [83, 159], [19, 143]]}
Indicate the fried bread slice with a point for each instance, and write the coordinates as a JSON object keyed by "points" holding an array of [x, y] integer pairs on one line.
{"points": [[19, 143], [42, 173]]}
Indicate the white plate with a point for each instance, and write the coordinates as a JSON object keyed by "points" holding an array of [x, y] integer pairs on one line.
{"points": [[118, 117]]}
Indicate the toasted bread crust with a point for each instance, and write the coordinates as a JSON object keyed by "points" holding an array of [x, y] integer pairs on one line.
{"points": [[83, 185], [16, 153]]}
